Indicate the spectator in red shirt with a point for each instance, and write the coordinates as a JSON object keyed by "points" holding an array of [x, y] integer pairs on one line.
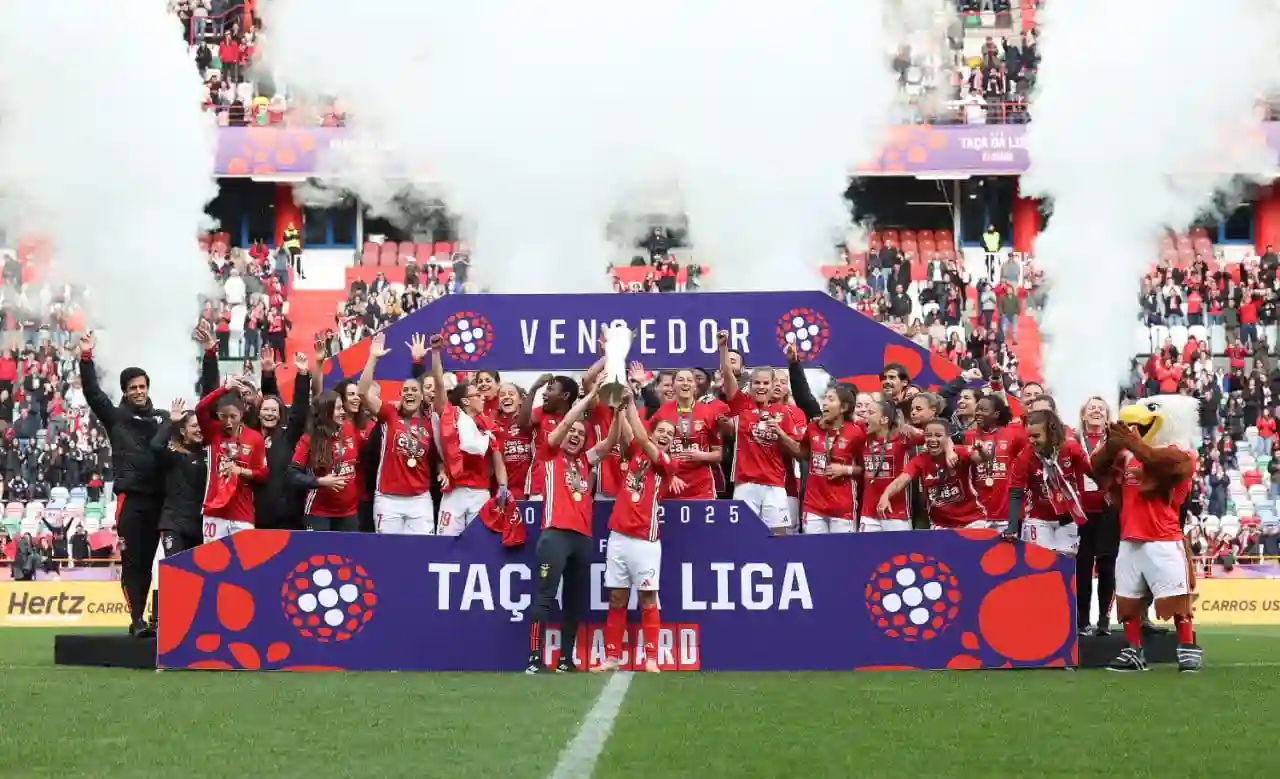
{"points": [[1266, 433], [1248, 312], [1236, 354], [231, 53]]}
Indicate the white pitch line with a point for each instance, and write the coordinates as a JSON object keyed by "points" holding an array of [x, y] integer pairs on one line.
{"points": [[579, 756]]}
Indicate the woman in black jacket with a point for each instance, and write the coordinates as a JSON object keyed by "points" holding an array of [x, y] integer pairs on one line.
{"points": [[278, 502], [182, 458]]}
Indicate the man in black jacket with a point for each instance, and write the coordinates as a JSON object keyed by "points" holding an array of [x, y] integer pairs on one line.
{"points": [[139, 493]]}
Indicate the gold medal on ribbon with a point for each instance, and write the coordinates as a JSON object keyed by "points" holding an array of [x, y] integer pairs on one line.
{"points": [[990, 482], [635, 497], [577, 496], [412, 462]]}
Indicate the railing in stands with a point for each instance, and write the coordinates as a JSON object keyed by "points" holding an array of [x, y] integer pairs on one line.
{"points": [[211, 28]]}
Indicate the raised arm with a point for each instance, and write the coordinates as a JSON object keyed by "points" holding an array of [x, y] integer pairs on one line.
{"points": [[269, 362], [440, 398], [318, 352], [377, 350], [525, 420], [99, 403], [575, 414], [210, 379], [638, 431], [301, 405], [602, 448], [727, 377], [800, 390]]}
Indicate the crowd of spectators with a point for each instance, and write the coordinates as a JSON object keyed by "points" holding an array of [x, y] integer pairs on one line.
{"points": [[251, 313]]}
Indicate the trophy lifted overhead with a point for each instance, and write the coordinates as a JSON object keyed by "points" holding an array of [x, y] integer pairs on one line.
{"points": [[614, 386]]}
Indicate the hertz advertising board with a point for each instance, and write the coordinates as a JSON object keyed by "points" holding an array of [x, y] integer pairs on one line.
{"points": [[1238, 601], [62, 604]]}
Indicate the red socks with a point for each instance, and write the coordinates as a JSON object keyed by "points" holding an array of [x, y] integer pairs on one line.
{"points": [[650, 623], [615, 626], [1133, 632], [1186, 633]]}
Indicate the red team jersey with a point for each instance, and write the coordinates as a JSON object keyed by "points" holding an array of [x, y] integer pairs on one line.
{"points": [[362, 487], [949, 494], [882, 462], [795, 428], [757, 456], [696, 431], [1046, 498], [542, 426], [406, 443], [246, 449], [635, 512], [516, 446], [345, 453], [472, 471], [991, 478], [599, 420], [1147, 517], [833, 498], [566, 491]]}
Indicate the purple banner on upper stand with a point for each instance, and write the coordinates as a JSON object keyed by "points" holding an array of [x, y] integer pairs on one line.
{"points": [[909, 149], [733, 597]]}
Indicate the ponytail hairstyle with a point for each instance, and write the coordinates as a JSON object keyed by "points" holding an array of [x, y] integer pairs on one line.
{"points": [[848, 400], [933, 401], [1053, 427], [889, 410], [322, 431]]}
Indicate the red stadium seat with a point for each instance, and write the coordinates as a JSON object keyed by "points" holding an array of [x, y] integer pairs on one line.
{"points": [[1169, 257], [909, 236], [858, 261], [1183, 241], [1185, 258], [944, 237], [1166, 242], [1202, 245], [891, 236], [370, 254], [443, 250], [205, 241], [874, 237], [389, 254], [422, 253], [910, 247], [1199, 232]]}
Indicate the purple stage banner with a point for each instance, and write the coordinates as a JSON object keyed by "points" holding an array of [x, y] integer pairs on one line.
{"points": [[733, 598], [559, 333], [909, 149]]}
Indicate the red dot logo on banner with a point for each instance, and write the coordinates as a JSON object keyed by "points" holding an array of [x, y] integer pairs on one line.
{"points": [[807, 329], [328, 598], [913, 597], [468, 336]]}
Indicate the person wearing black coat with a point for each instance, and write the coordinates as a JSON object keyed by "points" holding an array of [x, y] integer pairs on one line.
{"points": [[183, 460], [278, 502], [139, 491]]}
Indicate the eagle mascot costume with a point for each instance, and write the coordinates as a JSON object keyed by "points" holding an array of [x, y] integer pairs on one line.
{"points": [[1147, 465]]}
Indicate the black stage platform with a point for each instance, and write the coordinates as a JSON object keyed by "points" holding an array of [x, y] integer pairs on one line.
{"points": [[105, 651], [123, 651], [1097, 651]]}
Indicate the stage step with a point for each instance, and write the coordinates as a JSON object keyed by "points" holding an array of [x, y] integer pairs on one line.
{"points": [[1097, 651], [104, 651]]}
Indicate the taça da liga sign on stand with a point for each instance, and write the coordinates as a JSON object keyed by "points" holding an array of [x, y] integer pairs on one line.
{"points": [[733, 597]]}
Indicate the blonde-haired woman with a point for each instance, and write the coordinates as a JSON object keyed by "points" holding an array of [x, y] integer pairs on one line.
{"points": [[1100, 535]]}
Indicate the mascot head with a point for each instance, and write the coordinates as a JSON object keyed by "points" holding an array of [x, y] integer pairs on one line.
{"points": [[1165, 419]]}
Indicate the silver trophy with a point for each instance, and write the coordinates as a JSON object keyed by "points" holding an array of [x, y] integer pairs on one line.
{"points": [[614, 386]]}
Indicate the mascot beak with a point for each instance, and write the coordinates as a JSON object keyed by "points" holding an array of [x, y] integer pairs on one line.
{"points": [[1145, 422]]}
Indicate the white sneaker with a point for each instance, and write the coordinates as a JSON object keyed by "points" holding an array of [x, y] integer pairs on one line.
{"points": [[609, 664], [651, 666]]}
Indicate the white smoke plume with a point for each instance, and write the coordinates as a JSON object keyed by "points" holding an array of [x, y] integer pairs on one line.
{"points": [[1132, 132], [105, 152], [539, 118]]}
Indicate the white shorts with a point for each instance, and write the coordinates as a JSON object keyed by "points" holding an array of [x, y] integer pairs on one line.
{"points": [[877, 525], [402, 515], [771, 503], [977, 524], [1158, 566], [812, 523], [458, 508], [631, 562], [1063, 539], [216, 527]]}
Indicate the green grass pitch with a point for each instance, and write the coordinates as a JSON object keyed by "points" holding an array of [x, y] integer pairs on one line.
{"points": [[66, 722]]}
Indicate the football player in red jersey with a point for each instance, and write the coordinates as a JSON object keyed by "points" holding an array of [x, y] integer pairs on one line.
{"points": [[1045, 486], [488, 384], [829, 443], [559, 393], [696, 447], [324, 464], [781, 395], [402, 501], [1002, 443], [514, 441], [564, 547], [759, 472], [474, 461], [883, 455], [237, 461], [633, 556], [945, 473]]}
